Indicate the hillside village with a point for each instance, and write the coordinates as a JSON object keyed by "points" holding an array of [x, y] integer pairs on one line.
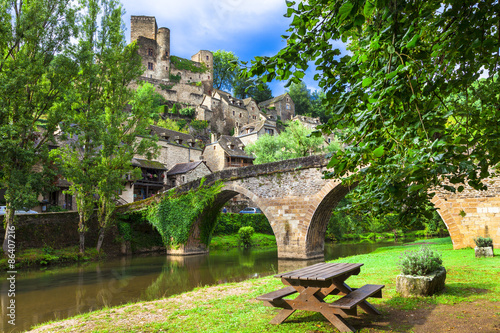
{"points": [[188, 83]]}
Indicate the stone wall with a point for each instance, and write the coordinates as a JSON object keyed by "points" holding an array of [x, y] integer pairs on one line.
{"points": [[471, 213], [59, 230], [214, 156]]}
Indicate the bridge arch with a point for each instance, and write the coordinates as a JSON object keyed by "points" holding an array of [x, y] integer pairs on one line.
{"points": [[230, 190], [329, 197]]}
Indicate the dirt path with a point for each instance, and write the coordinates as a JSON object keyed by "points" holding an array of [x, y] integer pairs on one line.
{"points": [[479, 316]]}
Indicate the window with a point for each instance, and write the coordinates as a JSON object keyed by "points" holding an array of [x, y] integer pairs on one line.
{"points": [[240, 114], [150, 65], [183, 178], [215, 147], [166, 53], [288, 106], [269, 131], [233, 113], [253, 108], [208, 58], [150, 52]]}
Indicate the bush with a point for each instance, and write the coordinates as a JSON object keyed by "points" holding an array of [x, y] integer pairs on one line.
{"points": [[483, 242], [230, 223], [245, 236], [420, 262], [189, 112]]}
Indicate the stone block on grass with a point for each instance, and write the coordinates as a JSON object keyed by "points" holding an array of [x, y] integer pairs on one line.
{"points": [[411, 285]]}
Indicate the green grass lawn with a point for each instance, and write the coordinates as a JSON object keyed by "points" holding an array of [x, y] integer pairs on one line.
{"points": [[233, 308]]}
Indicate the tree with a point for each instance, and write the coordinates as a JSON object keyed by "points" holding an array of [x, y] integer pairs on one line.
{"points": [[224, 69], [101, 133], [404, 62], [35, 73], [301, 97], [295, 141], [318, 109], [243, 88]]}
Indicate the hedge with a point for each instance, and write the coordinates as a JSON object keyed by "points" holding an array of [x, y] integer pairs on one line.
{"points": [[230, 223]]}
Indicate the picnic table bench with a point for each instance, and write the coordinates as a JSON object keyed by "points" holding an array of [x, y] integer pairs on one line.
{"points": [[313, 284]]}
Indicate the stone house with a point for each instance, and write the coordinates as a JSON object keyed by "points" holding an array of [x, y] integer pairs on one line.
{"points": [[227, 152], [281, 107], [253, 131], [174, 148], [182, 173]]}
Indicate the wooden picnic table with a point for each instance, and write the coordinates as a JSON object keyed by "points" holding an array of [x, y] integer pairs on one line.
{"points": [[313, 284]]}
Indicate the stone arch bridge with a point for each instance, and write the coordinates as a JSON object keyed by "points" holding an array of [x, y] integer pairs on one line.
{"points": [[298, 203]]}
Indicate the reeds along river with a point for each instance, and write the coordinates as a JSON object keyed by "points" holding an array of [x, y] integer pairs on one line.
{"points": [[61, 292]]}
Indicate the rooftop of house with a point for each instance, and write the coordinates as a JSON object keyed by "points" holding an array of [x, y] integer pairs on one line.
{"points": [[181, 168], [230, 100], [174, 137], [272, 100], [233, 146], [146, 164]]}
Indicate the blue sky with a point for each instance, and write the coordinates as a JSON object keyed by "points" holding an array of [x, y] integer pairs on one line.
{"points": [[248, 28]]}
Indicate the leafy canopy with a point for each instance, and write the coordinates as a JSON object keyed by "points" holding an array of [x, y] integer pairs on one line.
{"points": [[396, 90], [295, 141]]}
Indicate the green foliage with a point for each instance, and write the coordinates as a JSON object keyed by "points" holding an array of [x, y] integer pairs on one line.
{"points": [[243, 88], [406, 92], [189, 112], [174, 125], [483, 242], [166, 86], [199, 125], [175, 78], [420, 262], [188, 65], [224, 70], [36, 70], [102, 138], [245, 236], [294, 142], [55, 209], [175, 214], [230, 223], [125, 230], [301, 97]]}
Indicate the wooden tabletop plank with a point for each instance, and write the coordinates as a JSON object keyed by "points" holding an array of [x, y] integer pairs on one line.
{"points": [[336, 271], [321, 271], [332, 270], [301, 270]]}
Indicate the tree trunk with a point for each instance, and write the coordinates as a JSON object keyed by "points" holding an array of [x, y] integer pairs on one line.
{"points": [[100, 239], [81, 231], [9, 221]]}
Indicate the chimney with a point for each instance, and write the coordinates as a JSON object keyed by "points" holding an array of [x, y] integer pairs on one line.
{"points": [[213, 138]]}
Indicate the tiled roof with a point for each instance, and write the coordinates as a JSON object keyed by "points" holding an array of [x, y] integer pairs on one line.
{"points": [[273, 100], [183, 168], [137, 162], [170, 135], [233, 146]]}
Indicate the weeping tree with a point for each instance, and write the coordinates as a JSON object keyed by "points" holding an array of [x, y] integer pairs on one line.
{"points": [[101, 135], [415, 93], [35, 74]]}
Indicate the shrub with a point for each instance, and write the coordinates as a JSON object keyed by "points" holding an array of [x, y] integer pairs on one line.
{"points": [[420, 262], [483, 242], [230, 223], [189, 112], [245, 236]]}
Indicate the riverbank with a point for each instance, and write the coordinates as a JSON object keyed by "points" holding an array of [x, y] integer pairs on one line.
{"points": [[469, 303]]}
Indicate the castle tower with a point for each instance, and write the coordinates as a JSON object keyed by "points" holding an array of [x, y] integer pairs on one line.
{"points": [[163, 56], [207, 58], [144, 26]]}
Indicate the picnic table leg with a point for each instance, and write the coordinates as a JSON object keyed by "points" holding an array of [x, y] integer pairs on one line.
{"points": [[338, 321], [281, 316]]}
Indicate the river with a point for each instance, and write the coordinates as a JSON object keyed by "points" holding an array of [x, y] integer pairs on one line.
{"points": [[61, 292]]}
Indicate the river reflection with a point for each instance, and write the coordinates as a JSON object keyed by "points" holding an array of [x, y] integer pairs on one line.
{"points": [[63, 292]]}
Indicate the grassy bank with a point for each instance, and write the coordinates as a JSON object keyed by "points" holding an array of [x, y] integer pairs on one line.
{"points": [[233, 308], [48, 256], [230, 241]]}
